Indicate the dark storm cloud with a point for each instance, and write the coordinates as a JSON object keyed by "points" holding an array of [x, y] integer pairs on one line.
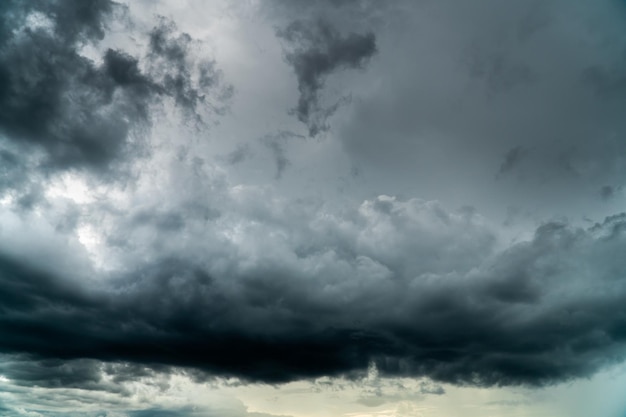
{"points": [[38, 64], [536, 313], [55, 373], [79, 112], [318, 50], [228, 280]]}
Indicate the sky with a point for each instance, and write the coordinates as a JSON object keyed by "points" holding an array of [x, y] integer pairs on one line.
{"points": [[312, 208]]}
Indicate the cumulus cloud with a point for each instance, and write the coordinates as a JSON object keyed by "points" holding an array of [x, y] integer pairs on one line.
{"points": [[298, 292]]}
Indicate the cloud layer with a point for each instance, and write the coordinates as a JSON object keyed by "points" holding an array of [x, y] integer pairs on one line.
{"points": [[318, 50], [142, 241]]}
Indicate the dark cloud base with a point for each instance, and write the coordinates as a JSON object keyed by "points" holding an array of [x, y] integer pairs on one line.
{"points": [[318, 50], [532, 317]]}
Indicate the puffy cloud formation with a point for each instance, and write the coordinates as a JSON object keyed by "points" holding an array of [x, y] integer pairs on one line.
{"points": [[267, 291]]}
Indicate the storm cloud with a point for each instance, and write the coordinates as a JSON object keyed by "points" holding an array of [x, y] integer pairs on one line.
{"points": [[403, 284], [80, 112], [164, 242]]}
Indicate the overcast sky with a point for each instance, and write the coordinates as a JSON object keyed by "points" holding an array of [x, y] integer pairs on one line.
{"points": [[299, 208]]}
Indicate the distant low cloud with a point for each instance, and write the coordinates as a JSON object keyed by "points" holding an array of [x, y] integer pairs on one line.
{"points": [[89, 388]]}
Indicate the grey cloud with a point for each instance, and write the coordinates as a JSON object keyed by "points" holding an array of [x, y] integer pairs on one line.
{"points": [[340, 291], [46, 387], [318, 50], [190, 411], [79, 373], [81, 113], [37, 65]]}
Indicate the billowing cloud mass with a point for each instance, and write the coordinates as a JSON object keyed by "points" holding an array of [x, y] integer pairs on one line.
{"points": [[406, 284], [170, 242]]}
